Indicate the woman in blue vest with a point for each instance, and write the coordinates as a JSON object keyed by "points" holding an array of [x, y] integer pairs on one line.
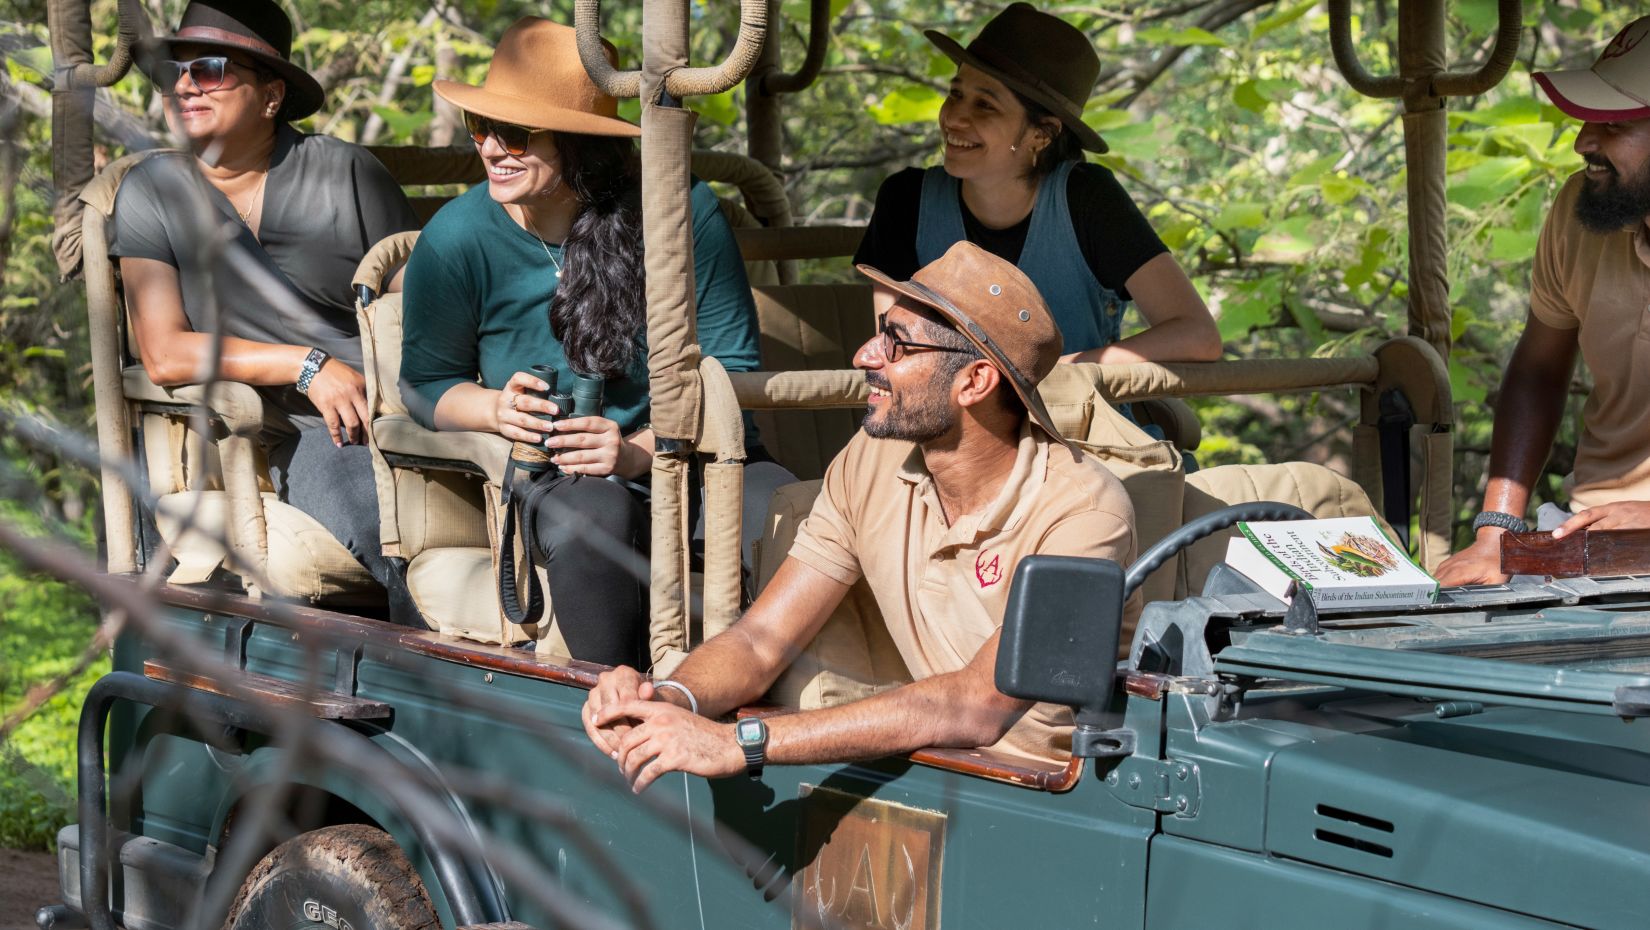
{"points": [[1015, 183]]}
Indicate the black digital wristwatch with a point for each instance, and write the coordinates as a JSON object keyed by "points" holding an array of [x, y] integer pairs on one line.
{"points": [[751, 733]]}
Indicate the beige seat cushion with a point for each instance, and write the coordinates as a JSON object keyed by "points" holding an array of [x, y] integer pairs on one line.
{"points": [[1313, 488], [1174, 417], [439, 510], [810, 327], [456, 591], [305, 561]]}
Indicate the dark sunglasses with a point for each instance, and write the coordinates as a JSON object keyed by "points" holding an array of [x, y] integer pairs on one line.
{"points": [[207, 72], [512, 137], [894, 347]]}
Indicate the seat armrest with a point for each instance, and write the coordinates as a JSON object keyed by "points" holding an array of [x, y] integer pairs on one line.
{"points": [[398, 434], [238, 405]]}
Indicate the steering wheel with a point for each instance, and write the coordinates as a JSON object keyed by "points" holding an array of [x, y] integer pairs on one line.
{"points": [[1208, 524]]}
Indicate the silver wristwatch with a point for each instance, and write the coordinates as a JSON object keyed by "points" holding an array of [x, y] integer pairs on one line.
{"points": [[312, 367], [1497, 518]]}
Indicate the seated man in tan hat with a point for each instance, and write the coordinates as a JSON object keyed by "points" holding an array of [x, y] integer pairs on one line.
{"points": [[957, 475], [1591, 284]]}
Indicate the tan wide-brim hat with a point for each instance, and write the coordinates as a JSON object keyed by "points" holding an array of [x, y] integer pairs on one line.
{"points": [[1615, 89], [1038, 55], [537, 80], [997, 308]]}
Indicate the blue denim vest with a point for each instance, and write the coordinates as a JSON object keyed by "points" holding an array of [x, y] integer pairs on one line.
{"points": [[1089, 315]]}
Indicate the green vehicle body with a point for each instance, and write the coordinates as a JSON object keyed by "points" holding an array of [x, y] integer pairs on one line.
{"points": [[1478, 764]]}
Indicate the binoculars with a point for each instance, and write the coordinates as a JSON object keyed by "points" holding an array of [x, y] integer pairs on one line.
{"points": [[585, 400]]}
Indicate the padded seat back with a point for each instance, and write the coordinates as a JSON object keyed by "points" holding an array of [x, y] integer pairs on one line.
{"points": [[439, 515], [809, 327]]}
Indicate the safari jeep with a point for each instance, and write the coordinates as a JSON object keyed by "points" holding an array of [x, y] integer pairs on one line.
{"points": [[262, 756]]}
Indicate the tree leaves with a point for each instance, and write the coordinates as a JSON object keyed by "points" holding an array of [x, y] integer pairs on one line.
{"points": [[403, 126], [1289, 242], [1256, 95], [1193, 35], [909, 104], [1280, 19]]}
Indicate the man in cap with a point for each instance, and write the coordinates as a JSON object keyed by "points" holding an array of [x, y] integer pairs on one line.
{"points": [[1589, 292], [956, 476]]}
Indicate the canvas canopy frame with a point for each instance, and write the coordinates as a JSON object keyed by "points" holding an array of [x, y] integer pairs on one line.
{"points": [[694, 403]]}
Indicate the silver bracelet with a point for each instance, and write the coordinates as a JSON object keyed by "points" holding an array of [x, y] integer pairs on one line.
{"points": [[693, 702]]}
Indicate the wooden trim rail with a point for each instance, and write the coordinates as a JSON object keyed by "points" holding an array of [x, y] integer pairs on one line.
{"points": [[251, 686]]}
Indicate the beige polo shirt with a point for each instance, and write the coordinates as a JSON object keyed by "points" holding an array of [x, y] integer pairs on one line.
{"points": [[942, 589], [1601, 285]]}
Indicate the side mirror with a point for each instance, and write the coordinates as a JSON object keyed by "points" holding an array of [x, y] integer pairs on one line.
{"points": [[1059, 641]]}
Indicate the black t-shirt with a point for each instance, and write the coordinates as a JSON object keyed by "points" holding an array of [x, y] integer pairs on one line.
{"points": [[1111, 231]]}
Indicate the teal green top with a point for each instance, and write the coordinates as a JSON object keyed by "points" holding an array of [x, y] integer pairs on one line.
{"points": [[477, 306]]}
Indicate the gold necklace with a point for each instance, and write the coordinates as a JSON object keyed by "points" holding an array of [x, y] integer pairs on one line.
{"points": [[253, 203]]}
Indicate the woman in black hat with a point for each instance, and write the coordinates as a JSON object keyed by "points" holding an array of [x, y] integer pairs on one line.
{"points": [[298, 212], [1015, 182]]}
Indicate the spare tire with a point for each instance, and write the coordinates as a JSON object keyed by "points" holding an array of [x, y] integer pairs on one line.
{"points": [[348, 877]]}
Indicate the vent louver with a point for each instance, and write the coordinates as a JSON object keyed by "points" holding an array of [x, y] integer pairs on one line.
{"points": [[1353, 819]]}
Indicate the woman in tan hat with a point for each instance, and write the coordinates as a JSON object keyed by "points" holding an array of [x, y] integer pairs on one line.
{"points": [[542, 265], [299, 212], [1015, 183]]}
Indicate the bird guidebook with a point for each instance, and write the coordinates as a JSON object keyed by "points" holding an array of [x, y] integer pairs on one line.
{"points": [[1347, 563]]}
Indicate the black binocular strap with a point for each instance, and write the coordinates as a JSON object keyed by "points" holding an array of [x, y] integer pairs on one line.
{"points": [[508, 594]]}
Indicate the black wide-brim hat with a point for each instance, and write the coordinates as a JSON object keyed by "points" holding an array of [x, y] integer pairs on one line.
{"points": [[1038, 55], [258, 29]]}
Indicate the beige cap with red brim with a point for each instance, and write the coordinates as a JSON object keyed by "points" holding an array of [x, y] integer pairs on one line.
{"points": [[1615, 89], [997, 308]]}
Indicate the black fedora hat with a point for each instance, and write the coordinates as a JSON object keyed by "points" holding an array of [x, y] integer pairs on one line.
{"points": [[258, 29], [1040, 56]]}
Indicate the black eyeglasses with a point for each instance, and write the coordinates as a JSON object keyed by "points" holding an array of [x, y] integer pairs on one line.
{"points": [[512, 137], [208, 72], [894, 347]]}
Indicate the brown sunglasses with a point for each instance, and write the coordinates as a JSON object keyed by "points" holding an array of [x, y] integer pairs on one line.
{"points": [[511, 137]]}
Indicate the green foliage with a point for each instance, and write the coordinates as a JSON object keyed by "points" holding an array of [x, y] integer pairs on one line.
{"points": [[44, 625]]}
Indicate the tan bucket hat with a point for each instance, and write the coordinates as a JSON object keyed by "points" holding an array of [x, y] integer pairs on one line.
{"points": [[1615, 88], [997, 308], [536, 80], [1039, 55]]}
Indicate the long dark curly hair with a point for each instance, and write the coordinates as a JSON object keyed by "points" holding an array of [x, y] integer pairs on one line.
{"points": [[599, 310]]}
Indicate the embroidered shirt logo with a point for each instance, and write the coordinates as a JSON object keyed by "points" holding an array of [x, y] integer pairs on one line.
{"points": [[988, 568], [1624, 42]]}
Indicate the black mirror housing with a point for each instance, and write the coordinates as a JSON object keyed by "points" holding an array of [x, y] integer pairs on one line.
{"points": [[1060, 632]]}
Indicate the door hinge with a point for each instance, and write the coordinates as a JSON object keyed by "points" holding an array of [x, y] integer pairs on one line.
{"points": [[1162, 785]]}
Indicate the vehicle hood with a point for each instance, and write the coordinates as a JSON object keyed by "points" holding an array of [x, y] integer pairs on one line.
{"points": [[1539, 812]]}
